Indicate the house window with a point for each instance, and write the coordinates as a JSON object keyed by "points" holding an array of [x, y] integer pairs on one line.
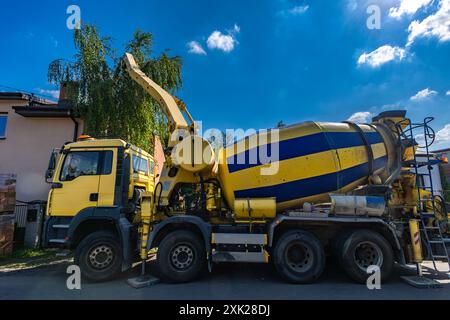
{"points": [[3, 122]]}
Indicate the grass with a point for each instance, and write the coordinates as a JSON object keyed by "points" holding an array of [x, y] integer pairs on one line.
{"points": [[27, 254], [30, 258]]}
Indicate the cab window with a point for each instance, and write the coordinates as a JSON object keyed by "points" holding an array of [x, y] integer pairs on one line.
{"points": [[86, 163], [152, 167], [140, 165]]}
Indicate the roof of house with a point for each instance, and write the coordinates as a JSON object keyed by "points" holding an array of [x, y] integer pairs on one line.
{"points": [[442, 150], [54, 111], [37, 107], [25, 97]]}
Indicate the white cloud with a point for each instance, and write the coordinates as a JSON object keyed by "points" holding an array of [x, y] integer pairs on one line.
{"points": [[352, 5], [423, 94], [408, 7], [54, 41], [361, 117], [51, 93], [298, 10], [436, 25], [195, 48], [294, 11], [443, 135], [447, 93], [382, 55], [236, 28], [220, 41], [441, 141]]}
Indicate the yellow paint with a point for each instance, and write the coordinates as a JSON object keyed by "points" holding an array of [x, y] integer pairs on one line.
{"points": [[319, 198], [105, 192], [75, 195], [249, 209], [299, 168], [146, 219], [350, 157], [415, 240], [289, 170]]}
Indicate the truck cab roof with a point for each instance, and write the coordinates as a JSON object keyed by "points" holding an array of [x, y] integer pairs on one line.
{"points": [[106, 143]]}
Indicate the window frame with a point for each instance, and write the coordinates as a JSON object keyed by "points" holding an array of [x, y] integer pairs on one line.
{"points": [[4, 115], [152, 167], [100, 164], [137, 170]]}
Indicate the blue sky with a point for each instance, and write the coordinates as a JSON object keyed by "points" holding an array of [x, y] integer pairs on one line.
{"points": [[252, 63]]}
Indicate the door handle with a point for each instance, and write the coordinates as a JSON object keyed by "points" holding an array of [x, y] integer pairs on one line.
{"points": [[57, 185], [93, 197]]}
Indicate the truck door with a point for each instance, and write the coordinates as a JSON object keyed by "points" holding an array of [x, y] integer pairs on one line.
{"points": [[106, 190], [76, 185]]}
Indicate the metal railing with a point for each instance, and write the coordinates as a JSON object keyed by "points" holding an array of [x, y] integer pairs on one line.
{"points": [[20, 214]]}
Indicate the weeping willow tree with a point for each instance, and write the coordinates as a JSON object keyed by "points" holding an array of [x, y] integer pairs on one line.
{"points": [[111, 104]]}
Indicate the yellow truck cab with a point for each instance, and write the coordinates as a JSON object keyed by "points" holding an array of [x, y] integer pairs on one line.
{"points": [[96, 186]]}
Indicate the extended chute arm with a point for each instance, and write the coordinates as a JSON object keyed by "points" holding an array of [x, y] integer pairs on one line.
{"points": [[166, 100]]}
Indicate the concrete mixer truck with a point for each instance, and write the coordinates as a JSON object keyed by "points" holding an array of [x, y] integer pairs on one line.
{"points": [[346, 190]]}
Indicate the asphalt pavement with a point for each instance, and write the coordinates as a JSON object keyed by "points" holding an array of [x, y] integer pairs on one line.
{"points": [[226, 282]]}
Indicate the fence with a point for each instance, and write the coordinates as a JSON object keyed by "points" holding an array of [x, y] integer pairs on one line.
{"points": [[29, 218], [20, 215]]}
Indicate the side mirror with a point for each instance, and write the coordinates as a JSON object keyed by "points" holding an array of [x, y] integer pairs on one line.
{"points": [[51, 166], [49, 174]]}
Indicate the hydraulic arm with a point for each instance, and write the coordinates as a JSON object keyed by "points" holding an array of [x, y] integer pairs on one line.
{"points": [[171, 106]]}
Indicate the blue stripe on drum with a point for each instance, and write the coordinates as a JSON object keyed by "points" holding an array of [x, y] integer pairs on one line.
{"points": [[311, 186], [300, 146]]}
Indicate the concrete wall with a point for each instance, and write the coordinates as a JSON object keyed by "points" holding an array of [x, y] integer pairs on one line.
{"points": [[27, 147]]}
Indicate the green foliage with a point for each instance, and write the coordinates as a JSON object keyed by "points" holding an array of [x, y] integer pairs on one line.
{"points": [[102, 93]]}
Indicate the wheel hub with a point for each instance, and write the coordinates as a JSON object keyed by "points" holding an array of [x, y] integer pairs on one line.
{"points": [[101, 256], [299, 257], [182, 257], [368, 254]]}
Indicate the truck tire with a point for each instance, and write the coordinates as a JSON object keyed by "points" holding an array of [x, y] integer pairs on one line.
{"points": [[337, 243], [181, 257], [364, 248], [299, 257], [99, 256]]}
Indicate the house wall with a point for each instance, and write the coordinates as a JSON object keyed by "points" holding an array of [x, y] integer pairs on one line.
{"points": [[435, 176], [159, 158], [445, 167], [27, 148]]}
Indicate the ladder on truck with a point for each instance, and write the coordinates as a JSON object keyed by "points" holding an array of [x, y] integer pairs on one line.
{"points": [[434, 239]]}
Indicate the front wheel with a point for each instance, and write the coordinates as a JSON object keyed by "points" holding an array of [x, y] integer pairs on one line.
{"points": [[99, 256], [181, 257], [299, 257]]}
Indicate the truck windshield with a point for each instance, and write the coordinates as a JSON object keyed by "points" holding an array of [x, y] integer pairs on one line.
{"points": [[140, 165]]}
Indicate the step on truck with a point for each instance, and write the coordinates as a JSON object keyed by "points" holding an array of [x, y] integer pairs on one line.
{"points": [[342, 190]]}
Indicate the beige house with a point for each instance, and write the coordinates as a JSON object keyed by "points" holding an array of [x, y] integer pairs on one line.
{"points": [[445, 167], [30, 128]]}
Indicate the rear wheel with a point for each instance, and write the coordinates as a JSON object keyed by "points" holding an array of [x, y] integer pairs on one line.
{"points": [[181, 257], [365, 248], [99, 256], [299, 257]]}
